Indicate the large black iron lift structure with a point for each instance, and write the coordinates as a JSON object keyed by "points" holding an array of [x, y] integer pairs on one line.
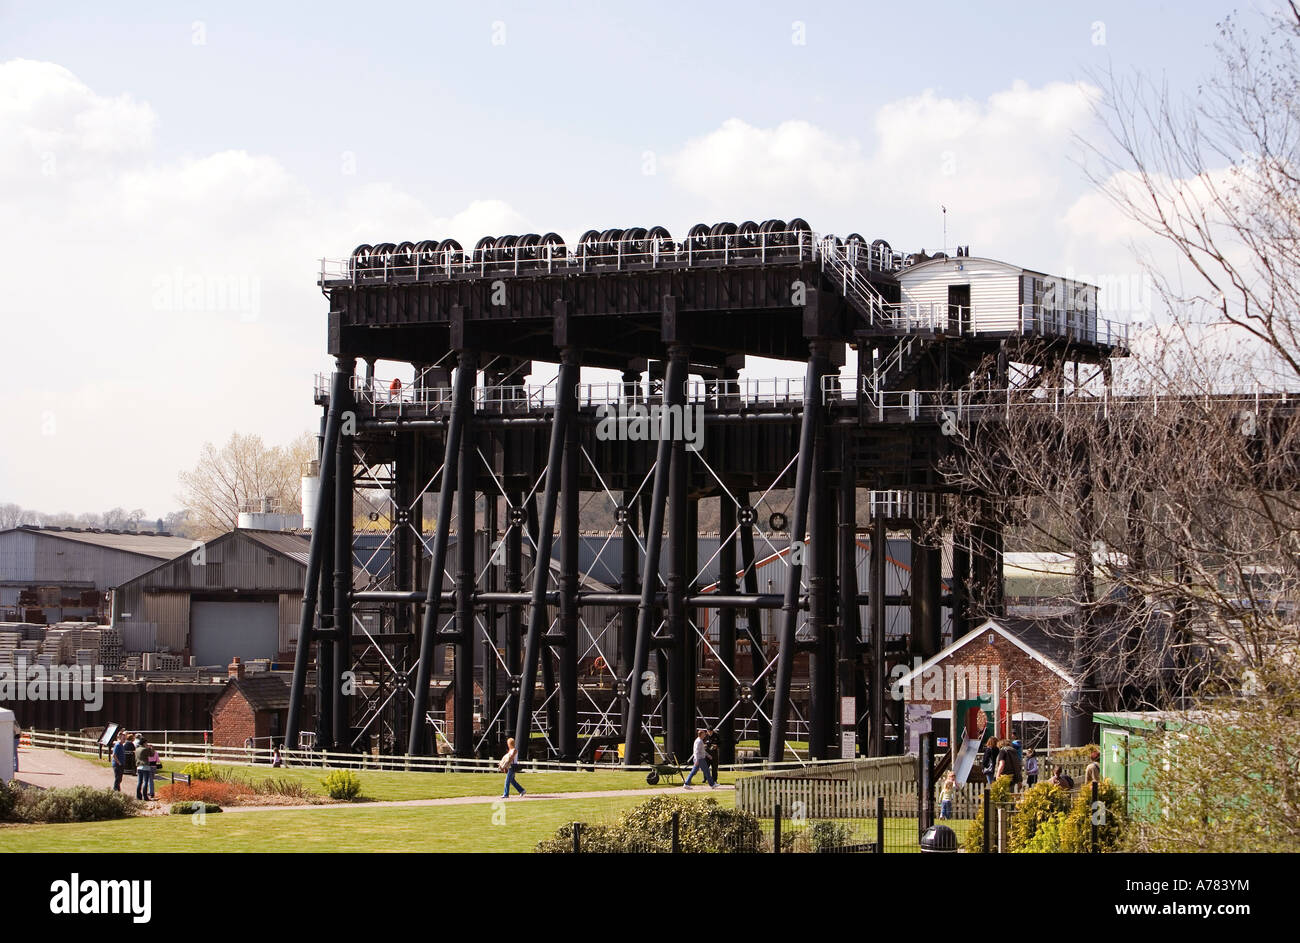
{"points": [[482, 487]]}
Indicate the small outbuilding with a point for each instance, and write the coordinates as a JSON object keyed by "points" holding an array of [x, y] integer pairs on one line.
{"points": [[1019, 665], [252, 707]]}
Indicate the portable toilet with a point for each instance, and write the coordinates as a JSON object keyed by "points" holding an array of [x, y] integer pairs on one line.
{"points": [[8, 746]]}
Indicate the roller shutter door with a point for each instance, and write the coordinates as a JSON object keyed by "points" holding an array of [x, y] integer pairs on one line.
{"points": [[221, 630]]}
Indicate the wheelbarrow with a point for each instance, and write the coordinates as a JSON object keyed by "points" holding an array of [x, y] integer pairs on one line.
{"points": [[665, 771]]}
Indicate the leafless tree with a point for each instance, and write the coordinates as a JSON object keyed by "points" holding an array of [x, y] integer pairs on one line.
{"points": [[1174, 489], [243, 471]]}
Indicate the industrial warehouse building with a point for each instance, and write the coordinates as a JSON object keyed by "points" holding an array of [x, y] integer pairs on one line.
{"points": [[238, 595], [52, 574]]}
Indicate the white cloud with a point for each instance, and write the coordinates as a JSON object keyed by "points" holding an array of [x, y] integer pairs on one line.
{"points": [[162, 303], [999, 165], [50, 122]]}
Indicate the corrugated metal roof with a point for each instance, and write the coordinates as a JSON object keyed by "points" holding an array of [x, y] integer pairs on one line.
{"points": [[145, 544], [295, 546]]}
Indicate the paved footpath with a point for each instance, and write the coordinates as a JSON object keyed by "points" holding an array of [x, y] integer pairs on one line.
{"points": [[482, 800], [54, 768]]}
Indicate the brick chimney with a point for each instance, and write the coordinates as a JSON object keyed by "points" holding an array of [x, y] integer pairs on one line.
{"points": [[236, 668]]}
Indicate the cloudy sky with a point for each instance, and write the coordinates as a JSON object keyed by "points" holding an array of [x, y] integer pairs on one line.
{"points": [[170, 174]]}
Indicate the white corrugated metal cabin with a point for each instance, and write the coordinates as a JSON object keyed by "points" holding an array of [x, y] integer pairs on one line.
{"points": [[985, 296]]}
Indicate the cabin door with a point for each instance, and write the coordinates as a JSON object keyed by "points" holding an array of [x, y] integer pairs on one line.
{"points": [[958, 308]]}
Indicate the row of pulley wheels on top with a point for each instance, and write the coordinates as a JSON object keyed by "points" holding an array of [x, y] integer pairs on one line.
{"points": [[607, 244]]}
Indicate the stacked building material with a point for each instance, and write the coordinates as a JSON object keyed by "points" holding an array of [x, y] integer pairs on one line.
{"points": [[10, 641], [110, 647], [59, 646]]}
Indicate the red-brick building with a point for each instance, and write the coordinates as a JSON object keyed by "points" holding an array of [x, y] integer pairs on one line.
{"points": [[252, 707], [1023, 664]]}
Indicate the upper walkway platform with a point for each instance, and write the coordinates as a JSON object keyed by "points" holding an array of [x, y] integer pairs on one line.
{"points": [[754, 283]]}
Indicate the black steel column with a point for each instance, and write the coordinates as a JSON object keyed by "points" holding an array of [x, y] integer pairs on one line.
{"points": [[926, 587], [464, 645], [798, 532], [754, 626], [1076, 710], [326, 673], [821, 555], [514, 622], [461, 405], [343, 573], [681, 714], [850, 673], [405, 578], [879, 556], [491, 641], [566, 393], [645, 686], [322, 512], [569, 524], [726, 630], [629, 584], [960, 580]]}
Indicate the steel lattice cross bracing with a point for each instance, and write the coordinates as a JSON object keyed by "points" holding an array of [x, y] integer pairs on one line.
{"points": [[761, 632]]}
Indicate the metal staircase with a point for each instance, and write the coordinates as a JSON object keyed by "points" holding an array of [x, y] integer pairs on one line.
{"points": [[855, 287], [900, 363]]}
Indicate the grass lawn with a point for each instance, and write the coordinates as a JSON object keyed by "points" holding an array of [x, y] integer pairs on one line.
{"points": [[396, 786], [512, 827]]}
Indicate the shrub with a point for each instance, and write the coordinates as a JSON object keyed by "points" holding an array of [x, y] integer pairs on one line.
{"points": [[219, 793], [1076, 827], [999, 794], [1074, 753], [200, 771], [75, 804], [8, 801], [282, 787], [342, 784], [703, 827], [1040, 804], [824, 835], [190, 808], [1047, 839]]}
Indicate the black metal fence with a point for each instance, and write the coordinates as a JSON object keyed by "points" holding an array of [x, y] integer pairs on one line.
{"points": [[880, 831]]}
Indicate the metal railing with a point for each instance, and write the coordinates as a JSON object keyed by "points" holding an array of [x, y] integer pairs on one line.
{"points": [[963, 405], [591, 255], [910, 405], [1080, 325], [719, 394], [59, 740]]}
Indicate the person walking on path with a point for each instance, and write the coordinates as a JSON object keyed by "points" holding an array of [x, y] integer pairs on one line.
{"points": [[508, 764], [946, 793], [700, 761], [143, 770], [714, 752], [1031, 767], [1092, 773], [119, 752]]}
